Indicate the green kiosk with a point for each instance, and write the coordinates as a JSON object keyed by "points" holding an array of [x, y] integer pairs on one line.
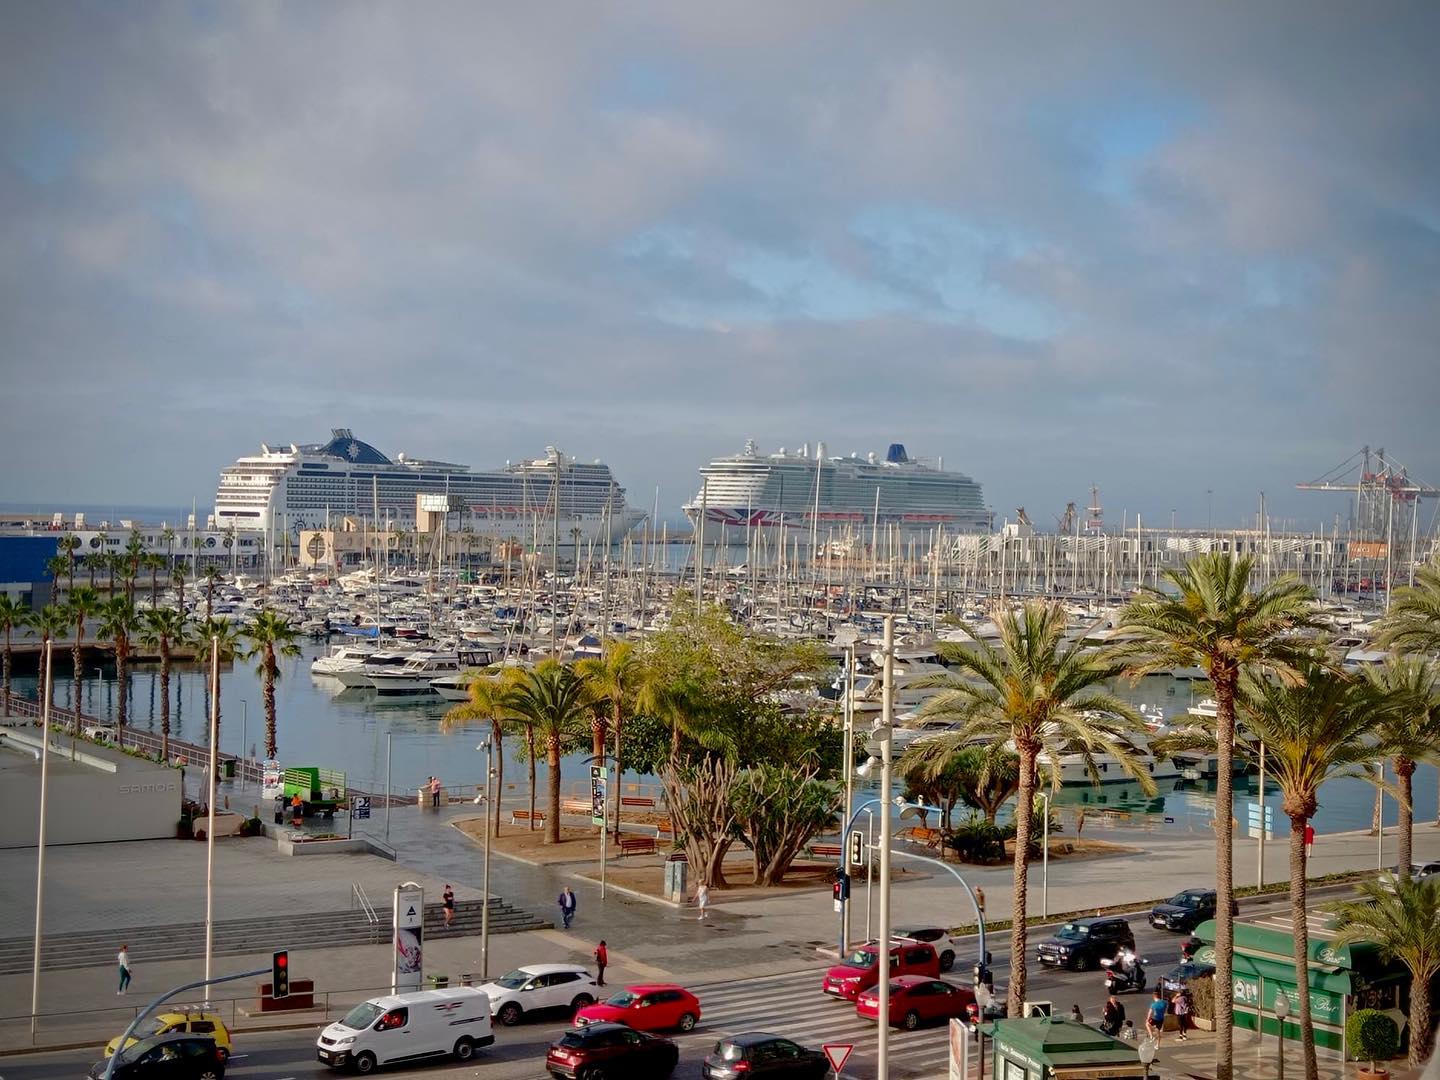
{"points": [[1342, 978], [1049, 1048]]}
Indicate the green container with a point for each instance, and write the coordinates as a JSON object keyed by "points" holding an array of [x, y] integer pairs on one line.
{"points": [[438, 982]]}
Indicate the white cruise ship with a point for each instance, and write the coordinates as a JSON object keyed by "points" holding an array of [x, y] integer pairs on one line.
{"points": [[755, 490], [298, 486]]}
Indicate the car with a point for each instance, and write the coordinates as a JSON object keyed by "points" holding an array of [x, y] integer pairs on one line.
{"points": [[1084, 942], [860, 971], [645, 1007], [1180, 976], [540, 988], [1184, 911], [180, 1022], [942, 940], [1422, 870], [167, 1057], [602, 1051], [758, 1053], [916, 1000]]}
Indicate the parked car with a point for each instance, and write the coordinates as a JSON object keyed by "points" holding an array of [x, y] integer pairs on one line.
{"points": [[180, 1022], [539, 988], [1081, 944], [610, 1050], [646, 1007], [1422, 870], [942, 940], [1184, 911], [758, 1053], [1178, 977], [167, 1057], [916, 1000], [861, 970], [425, 1025]]}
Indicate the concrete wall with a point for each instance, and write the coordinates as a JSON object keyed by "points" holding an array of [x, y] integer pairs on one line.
{"points": [[104, 795]]}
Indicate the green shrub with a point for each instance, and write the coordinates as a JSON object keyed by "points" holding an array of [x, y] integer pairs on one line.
{"points": [[1371, 1036], [1202, 997], [978, 841]]}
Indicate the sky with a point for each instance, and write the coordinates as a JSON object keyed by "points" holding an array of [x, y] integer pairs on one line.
{"points": [[1185, 252]]}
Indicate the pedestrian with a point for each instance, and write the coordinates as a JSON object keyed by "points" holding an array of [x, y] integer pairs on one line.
{"points": [[297, 810], [1181, 1004], [1112, 1016], [1076, 1014], [1155, 1016], [435, 792], [602, 958], [448, 899], [123, 959], [567, 906], [702, 899], [1128, 1031]]}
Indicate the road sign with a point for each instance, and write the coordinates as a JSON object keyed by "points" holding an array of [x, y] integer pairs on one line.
{"points": [[1253, 819], [837, 1054], [599, 776], [361, 807], [857, 848]]}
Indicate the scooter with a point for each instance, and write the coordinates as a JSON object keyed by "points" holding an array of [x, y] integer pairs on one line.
{"points": [[1119, 979]]}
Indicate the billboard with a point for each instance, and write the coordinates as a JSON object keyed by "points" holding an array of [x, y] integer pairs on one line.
{"points": [[409, 923]]}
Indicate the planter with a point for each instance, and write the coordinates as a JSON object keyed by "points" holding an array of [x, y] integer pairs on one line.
{"points": [[1203, 1023], [1373, 1074]]}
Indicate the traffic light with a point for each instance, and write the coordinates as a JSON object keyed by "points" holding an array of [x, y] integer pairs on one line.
{"points": [[857, 849], [841, 889], [280, 975]]}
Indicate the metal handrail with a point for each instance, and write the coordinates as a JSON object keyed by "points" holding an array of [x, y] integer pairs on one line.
{"points": [[371, 917]]}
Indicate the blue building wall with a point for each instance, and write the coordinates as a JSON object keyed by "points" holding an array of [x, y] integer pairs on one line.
{"points": [[22, 558]]}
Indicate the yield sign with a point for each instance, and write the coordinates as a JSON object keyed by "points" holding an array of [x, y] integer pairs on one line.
{"points": [[838, 1054]]}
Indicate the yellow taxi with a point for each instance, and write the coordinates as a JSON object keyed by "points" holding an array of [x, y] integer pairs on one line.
{"points": [[183, 1022]]}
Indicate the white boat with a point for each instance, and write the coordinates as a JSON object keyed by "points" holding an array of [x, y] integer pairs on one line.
{"points": [[341, 656], [357, 675], [1074, 771], [423, 668]]}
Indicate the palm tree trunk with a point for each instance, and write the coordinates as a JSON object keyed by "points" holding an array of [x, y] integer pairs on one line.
{"points": [[122, 664], [1421, 1022], [1298, 888], [267, 692], [1024, 801], [552, 761], [164, 698], [1225, 683], [530, 757], [1405, 771], [1375, 812], [75, 660]]}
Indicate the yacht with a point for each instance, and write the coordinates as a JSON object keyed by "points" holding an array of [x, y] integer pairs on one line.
{"points": [[340, 657], [357, 675], [423, 668]]}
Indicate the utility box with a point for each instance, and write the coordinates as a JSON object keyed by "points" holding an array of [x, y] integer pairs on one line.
{"points": [[677, 878]]}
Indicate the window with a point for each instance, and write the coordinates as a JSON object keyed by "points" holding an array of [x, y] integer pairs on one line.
{"points": [[395, 1018], [560, 978], [785, 1049], [629, 1038], [202, 1027], [917, 956]]}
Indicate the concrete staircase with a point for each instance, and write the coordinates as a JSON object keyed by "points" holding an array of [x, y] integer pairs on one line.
{"points": [[305, 930]]}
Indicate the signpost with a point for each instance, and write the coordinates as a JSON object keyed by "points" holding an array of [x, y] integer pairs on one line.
{"points": [[271, 779], [837, 1054], [599, 782], [408, 972], [361, 810]]}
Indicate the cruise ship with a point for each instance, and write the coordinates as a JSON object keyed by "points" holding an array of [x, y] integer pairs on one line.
{"points": [[304, 486], [753, 490]]}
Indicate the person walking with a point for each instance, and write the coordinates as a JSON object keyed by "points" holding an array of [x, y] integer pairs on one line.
{"points": [[567, 906], [1155, 1016], [702, 899], [1112, 1016], [602, 959], [435, 792], [1181, 1004], [123, 959], [448, 899]]}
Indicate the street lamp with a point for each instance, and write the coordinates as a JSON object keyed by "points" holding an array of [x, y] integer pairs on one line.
{"points": [[983, 1000], [1148, 1049], [244, 721], [1045, 859], [1282, 1010], [485, 878]]}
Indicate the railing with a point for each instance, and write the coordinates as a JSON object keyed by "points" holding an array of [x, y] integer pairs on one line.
{"points": [[357, 891]]}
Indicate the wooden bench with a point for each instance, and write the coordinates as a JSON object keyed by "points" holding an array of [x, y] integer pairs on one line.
{"points": [[519, 816], [637, 800], [825, 851], [918, 834], [637, 845], [576, 806], [663, 828]]}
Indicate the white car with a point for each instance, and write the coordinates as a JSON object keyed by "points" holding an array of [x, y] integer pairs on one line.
{"points": [[537, 988]]}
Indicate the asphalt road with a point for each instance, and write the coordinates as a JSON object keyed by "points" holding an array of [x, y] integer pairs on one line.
{"points": [[788, 1003]]}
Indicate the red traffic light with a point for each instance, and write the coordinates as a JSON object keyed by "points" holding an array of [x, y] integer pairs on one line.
{"points": [[282, 960]]}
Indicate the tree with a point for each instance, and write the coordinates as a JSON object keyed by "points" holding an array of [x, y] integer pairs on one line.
{"points": [[615, 681], [554, 699], [491, 701], [270, 636], [1043, 695], [69, 544], [55, 566], [93, 563], [83, 605], [211, 639], [985, 777], [161, 628], [1319, 727], [1413, 622], [133, 558], [211, 574], [167, 537], [1411, 728], [778, 809], [14, 615], [1219, 623], [50, 622], [1402, 917], [177, 578], [155, 563], [118, 622]]}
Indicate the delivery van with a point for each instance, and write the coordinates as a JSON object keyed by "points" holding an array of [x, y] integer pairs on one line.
{"points": [[403, 1028]]}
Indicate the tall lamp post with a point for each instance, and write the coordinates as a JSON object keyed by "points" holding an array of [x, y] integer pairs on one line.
{"points": [[849, 712], [1045, 859], [1282, 1010], [983, 1000], [887, 698], [485, 878], [244, 722]]}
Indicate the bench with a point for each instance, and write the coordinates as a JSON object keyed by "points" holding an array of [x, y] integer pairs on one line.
{"points": [[576, 806], [918, 834], [637, 800], [518, 816], [825, 851], [637, 845]]}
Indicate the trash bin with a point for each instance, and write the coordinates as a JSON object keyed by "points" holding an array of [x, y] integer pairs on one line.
{"points": [[467, 978], [230, 768], [438, 982]]}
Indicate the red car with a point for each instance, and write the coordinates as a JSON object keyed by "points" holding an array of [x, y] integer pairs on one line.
{"points": [[647, 1007], [916, 1000], [610, 1050], [860, 971]]}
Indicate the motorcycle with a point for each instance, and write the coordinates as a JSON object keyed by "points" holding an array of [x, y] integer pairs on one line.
{"points": [[1120, 978]]}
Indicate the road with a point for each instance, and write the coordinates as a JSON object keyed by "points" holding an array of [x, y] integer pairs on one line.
{"points": [[788, 1003]]}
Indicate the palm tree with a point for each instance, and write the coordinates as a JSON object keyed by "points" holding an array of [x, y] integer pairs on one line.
{"points": [[118, 621], [161, 628], [490, 700], [56, 566], [1043, 695], [177, 578], [554, 699], [154, 562], [1320, 727], [1413, 622], [1412, 730], [68, 546], [83, 604], [1402, 917], [218, 638], [1218, 623], [134, 557], [211, 574], [14, 615], [615, 680], [985, 777], [93, 563], [50, 622], [167, 537], [270, 636]]}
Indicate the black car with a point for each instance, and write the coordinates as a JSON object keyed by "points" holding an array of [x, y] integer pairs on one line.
{"points": [[758, 1053], [1083, 943], [1184, 911], [167, 1057], [610, 1051], [933, 935], [1179, 977]]}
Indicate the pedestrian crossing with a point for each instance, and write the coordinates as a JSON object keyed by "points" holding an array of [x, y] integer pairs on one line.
{"points": [[793, 1005]]}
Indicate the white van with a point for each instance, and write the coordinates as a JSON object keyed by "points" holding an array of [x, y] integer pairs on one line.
{"points": [[408, 1027]]}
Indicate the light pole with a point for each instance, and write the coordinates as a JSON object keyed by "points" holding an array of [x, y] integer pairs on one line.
{"points": [[210, 828], [40, 857], [1380, 829], [849, 712], [1148, 1049], [485, 879], [1282, 1010], [244, 721], [887, 698], [983, 1000], [1045, 858]]}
